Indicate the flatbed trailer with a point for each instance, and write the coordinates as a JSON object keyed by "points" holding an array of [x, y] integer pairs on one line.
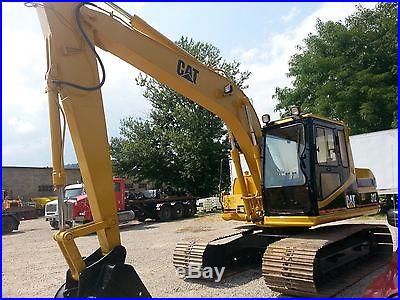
{"points": [[163, 208]]}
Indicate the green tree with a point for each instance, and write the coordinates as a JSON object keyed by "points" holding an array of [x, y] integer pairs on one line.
{"points": [[348, 71], [181, 144]]}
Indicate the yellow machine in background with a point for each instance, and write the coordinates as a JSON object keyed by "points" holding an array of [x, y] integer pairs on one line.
{"points": [[40, 202], [290, 186], [19, 208]]}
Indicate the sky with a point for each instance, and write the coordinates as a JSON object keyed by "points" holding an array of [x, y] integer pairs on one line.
{"points": [[261, 36]]}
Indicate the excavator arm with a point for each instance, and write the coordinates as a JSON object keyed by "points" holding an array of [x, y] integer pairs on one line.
{"points": [[72, 32]]}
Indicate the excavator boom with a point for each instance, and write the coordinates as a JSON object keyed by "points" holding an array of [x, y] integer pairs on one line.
{"points": [[72, 32]]}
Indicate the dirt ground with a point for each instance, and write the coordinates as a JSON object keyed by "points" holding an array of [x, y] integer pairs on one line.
{"points": [[34, 267]]}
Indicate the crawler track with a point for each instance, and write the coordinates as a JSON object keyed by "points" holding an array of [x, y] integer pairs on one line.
{"points": [[219, 252], [236, 252], [189, 253], [309, 264], [320, 262]]}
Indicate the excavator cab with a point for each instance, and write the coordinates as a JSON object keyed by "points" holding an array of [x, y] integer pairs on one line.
{"points": [[307, 168]]}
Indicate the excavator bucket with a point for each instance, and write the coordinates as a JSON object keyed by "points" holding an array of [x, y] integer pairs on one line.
{"points": [[105, 276]]}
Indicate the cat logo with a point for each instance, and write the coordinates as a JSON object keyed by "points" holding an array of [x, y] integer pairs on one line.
{"points": [[187, 71]]}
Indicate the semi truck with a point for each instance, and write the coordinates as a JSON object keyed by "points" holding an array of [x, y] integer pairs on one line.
{"points": [[77, 206], [71, 194], [148, 204], [79, 210]]}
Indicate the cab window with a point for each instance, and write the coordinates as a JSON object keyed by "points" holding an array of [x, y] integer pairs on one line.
{"points": [[325, 144], [283, 149], [343, 149]]}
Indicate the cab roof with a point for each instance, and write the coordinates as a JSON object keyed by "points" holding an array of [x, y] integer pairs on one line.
{"points": [[308, 115], [74, 186]]}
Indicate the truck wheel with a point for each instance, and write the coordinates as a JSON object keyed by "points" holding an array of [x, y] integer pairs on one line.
{"points": [[54, 224], [177, 211], [190, 210], [165, 212], [7, 224]]}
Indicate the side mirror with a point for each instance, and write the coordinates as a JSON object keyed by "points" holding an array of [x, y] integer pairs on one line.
{"points": [[392, 217]]}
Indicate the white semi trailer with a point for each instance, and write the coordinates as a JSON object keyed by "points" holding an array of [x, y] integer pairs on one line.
{"points": [[378, 152]]}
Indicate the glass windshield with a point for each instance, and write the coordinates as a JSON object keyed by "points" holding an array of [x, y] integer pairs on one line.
{"points": [[283, 147], [70, 193]]}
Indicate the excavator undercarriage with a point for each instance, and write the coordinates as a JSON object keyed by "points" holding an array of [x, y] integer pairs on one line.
{"points": [[234, 251], [312, 263]]}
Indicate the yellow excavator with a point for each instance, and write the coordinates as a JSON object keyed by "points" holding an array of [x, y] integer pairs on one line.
{"points": [[301, 168]]}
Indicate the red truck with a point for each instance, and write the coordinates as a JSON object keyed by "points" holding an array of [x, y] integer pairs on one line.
{"points": [[77, 206], [148, 204], [79, 209]]}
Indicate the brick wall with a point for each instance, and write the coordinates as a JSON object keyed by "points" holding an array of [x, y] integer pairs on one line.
{"points": [[28, 182]]}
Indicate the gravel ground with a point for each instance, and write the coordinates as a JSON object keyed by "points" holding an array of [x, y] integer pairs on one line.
{"points": [[34, 267]]}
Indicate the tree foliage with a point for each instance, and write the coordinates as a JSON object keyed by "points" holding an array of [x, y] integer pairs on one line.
{"points": [[348, 71], [181, 144]]}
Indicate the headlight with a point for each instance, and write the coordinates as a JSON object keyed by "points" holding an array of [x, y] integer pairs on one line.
{"points": [[266, 118], [295, 110]]}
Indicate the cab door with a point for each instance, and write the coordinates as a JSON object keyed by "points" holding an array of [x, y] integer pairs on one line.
{"points": [[331, 165], [119, 193]]}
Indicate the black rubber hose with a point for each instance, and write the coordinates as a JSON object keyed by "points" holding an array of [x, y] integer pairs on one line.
{"points": [[91, 46]]}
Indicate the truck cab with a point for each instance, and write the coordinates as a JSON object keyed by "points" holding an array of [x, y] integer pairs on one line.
{"points": [[77, 207], [81, 210], [71, 194]]}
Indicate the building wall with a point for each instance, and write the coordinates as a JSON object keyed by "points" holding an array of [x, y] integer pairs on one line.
{"points": [[28, 182]]}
